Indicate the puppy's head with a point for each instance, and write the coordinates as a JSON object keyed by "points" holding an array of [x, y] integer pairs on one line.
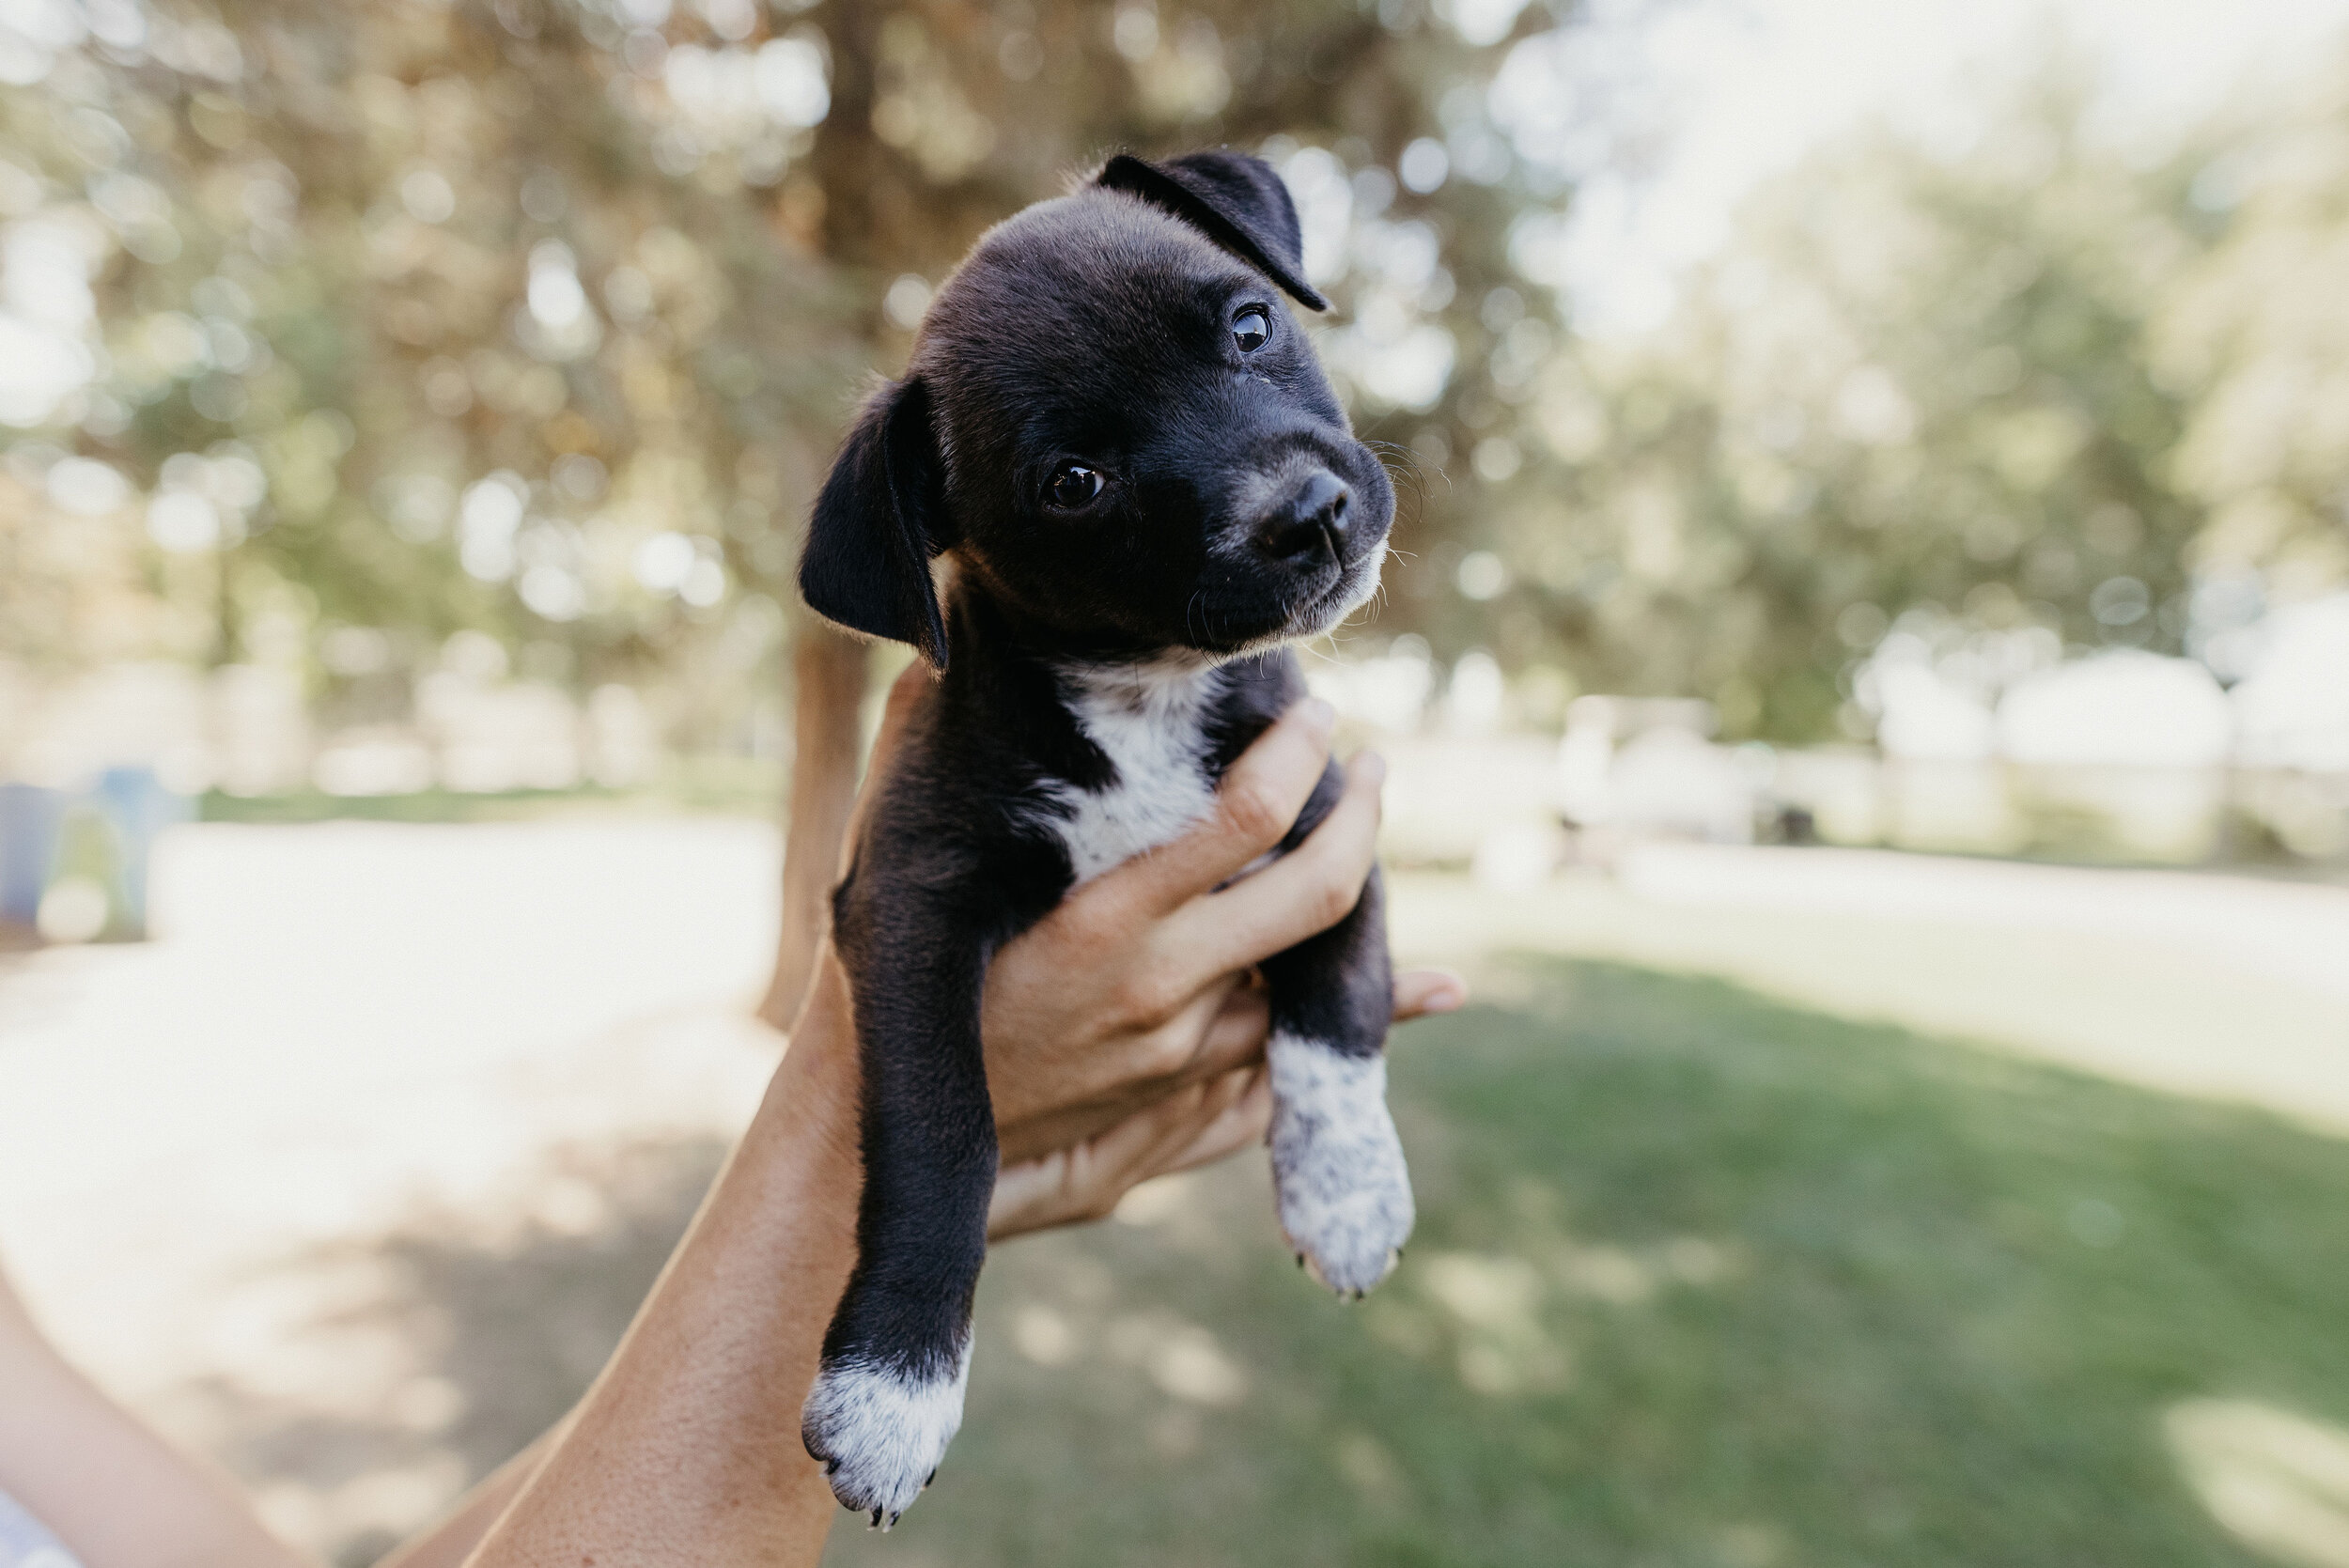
{"points": [[1114, 425]]}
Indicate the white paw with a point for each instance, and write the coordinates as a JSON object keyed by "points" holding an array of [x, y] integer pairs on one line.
{"points": [[1344, 1193], [881, 1432]]}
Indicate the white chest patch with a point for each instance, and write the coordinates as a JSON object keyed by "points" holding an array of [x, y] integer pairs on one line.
{"points": [[1147, 719]]}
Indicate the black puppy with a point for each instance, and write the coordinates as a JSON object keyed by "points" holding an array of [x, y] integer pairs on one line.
{"points": [[1126, 450]]}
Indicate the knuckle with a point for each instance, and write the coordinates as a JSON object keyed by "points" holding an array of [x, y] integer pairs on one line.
{"points": [[1164, 1058], [1099, 921], [1254, 810], [1145, 1000], [1333, 898], [1086, 925]]}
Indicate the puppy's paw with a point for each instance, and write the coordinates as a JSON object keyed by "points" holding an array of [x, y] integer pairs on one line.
{"points": [[880, 1430], [1344, 1193]]}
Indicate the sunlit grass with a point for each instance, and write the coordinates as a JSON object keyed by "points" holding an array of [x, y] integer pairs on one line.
{"points": [[1700, 1278]]}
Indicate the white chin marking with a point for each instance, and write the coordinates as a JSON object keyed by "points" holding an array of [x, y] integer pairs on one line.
{"points": [[881, 1432], [1338, 1175]]}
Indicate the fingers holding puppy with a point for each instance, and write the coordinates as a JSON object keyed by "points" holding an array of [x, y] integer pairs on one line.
{"points": [[1423, 993], [1257, 803], [1222, 1106], [1234, 1039], [1192, 1126], [1305, 891], [1060, 1152]]}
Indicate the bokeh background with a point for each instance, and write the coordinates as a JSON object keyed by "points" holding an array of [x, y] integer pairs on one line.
{"points": [[1865, 665]]}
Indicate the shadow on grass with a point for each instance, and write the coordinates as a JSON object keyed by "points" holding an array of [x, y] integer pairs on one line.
{"points": [[464, 1351], [1700, 1279]]}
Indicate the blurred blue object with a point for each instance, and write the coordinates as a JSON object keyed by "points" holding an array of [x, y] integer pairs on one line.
{"points": [[135, 803], [31, 821]]}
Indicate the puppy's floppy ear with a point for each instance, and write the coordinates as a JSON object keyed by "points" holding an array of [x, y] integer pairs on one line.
{"points": [[1235, 200], [879, 520]]}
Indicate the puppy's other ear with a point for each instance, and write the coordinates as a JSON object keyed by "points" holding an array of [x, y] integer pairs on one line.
{"points": [[879, 520], [1235, 200]]}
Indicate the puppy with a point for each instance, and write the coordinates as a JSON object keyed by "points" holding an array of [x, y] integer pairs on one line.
{"points": [[1125, 448]]}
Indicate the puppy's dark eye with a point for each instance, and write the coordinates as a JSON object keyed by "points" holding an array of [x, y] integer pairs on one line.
{"points": [[1252, 328], [1073, 487]]}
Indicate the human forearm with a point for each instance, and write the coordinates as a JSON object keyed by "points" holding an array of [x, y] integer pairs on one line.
{"points": [[111, 1490], [688, 1448], [449, 1541]]}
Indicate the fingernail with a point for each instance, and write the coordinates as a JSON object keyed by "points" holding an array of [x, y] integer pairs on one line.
{"points": [[1317, 715], [1368, 767], [1446, 1000]]}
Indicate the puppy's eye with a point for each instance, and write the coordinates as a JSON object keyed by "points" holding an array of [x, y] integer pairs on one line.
{"points": [[1073, 487], [1252, 328]]}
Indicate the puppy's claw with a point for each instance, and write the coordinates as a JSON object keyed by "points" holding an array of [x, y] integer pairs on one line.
{"points": [[1343, 1292], [880, 1432], [927, 1479]]}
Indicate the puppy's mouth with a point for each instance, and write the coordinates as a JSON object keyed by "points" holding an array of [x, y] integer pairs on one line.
{"points": [[1353, 587], [1318, 611]]}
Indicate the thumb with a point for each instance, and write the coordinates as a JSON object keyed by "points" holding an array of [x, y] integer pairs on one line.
{"points": [[1420, 992]]}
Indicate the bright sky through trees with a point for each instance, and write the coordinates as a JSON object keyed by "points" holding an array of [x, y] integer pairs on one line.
{"points": [[1712, 98]]}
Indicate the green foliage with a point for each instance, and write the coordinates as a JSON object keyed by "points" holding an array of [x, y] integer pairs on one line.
{"points": [[1911, 383], [2256, 327], [403, 308], [538, 317]]}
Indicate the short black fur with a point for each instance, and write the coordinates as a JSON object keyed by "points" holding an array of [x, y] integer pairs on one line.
{"points": [[1234, 200], [1236, 513]]}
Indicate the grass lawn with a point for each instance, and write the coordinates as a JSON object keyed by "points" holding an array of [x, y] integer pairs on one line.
{"points": [[1700, 1278]]}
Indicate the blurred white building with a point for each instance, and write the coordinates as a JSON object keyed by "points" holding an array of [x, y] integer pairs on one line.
{"points": [[2291, 709], [1646, 766], [2118, 709]]}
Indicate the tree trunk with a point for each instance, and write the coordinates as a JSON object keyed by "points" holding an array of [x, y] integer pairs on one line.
{"points": [[828, 668], [828, 671], [881, 218]]}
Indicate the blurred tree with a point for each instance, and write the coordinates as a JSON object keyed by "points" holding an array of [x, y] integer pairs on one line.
{"points": [[423, 318], [536, 317], [1911, 383], [2256, 327]]}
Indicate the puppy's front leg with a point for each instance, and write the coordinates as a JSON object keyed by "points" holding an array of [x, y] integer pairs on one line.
{"points": [[1344, 1193], [898, 1352]]}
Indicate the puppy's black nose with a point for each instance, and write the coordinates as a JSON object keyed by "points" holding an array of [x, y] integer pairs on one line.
{"points": [[1311, 524]]}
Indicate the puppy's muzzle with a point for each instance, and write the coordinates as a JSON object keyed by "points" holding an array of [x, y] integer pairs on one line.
{"points": [[1306, 530]]}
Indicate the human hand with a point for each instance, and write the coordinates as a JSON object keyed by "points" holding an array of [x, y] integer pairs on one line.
{"points": [[1125, 1032], [1197, 1121]]}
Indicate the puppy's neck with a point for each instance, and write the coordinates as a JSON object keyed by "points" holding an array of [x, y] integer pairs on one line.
{"points": [[1145, 723], [991, 624], [1163, 685]]}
